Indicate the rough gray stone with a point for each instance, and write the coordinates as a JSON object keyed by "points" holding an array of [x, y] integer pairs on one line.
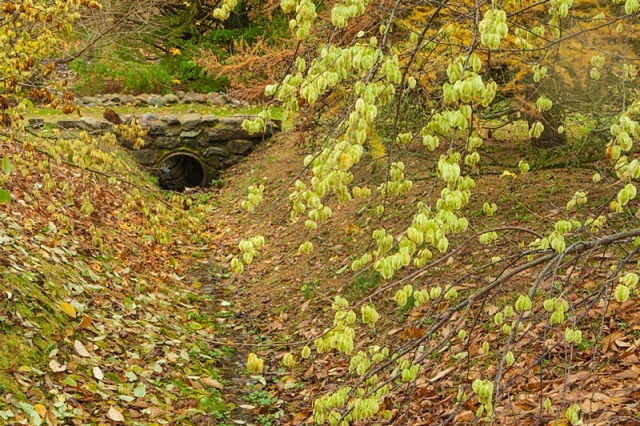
{"points": [[230, 161], [154, 127], [113, 97], [189, 121], [90, 100], [216, 150], [171, 120], [167, 142], [180, 94], [190, 133], [90, 123], [209, 120], [143, 99], [128, 100], [188, 98], [215, 99], [146, 157], [149, 116], [156, 101], [70, 124], [126, 118], [241, 147], [229, 100], [171, 99], [200, 98]]}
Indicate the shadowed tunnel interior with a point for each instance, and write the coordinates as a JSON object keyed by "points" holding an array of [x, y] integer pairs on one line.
{"points": [[181, 170]]}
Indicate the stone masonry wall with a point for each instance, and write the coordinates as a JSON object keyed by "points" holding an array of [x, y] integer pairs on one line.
{"points": [[218, 142]]}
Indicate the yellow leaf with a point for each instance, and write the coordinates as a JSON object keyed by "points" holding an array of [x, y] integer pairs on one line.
{"points": [[175, 51], [507, 173], [68, 309], [85, 322], [40, 409], [176, 81]]}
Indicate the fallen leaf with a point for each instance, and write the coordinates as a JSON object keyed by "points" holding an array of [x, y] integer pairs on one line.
{"points": [[82, 351], [68, 309], [86, 322], [212, 383], [97, 373], [441, 374], [52, 420], [56, 367], [115, 415], [40, 409], [247, 406]]}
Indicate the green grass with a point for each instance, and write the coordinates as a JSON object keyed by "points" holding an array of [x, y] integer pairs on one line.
{"points": [[221, 111]]}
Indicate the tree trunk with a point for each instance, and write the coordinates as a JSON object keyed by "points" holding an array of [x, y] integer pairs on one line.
{"points": [[549, 138]]}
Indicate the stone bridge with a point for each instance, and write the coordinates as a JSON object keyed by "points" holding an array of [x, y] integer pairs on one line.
{"points": [[183, 151]]}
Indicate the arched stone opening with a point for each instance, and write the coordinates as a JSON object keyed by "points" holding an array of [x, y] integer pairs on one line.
{"points": [[181, 170]]}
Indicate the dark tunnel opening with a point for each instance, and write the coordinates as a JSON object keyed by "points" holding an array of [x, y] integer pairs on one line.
{"points": [[181, 170]]}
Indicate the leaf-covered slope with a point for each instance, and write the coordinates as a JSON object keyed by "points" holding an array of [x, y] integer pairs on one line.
{"points": [[98, 323]]}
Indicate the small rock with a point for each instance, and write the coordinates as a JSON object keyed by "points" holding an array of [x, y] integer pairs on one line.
{"points": [[189, 98], [149, 116], [170, 119], [187, 134], [113, 97], [167, 142], [209, 120], [215, 99], [216, 150], [128, 100], [241, 147], [154, 127], [69, 124], [156, 101], [91, 123], [230, 161], [90, 100], [171, 99], [143, 99], [229, 100], [200, 98], [180, 94]]}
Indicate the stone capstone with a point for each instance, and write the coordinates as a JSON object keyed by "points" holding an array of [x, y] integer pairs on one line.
{"points": [[189, 121], [209, 120], [91, 123]]}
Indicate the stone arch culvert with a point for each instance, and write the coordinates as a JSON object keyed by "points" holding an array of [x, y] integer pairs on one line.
{"points": [[184, 151]]}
